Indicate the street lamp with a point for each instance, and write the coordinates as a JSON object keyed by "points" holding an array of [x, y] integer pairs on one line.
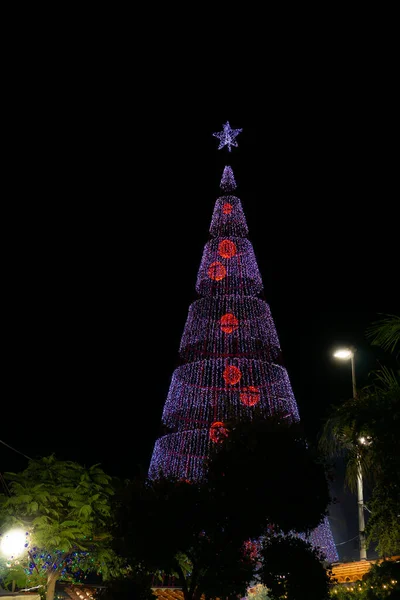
{"points": [[345, 354], [13, 543]]}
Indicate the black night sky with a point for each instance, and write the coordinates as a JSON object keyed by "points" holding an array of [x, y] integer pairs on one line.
{"points": [[110, 204]]}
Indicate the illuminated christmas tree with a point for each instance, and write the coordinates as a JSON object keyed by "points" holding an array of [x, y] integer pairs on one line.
{"points": [[230, 352]]}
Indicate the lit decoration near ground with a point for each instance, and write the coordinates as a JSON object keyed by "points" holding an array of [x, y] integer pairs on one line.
{"points": [[227, 136], [251, 549], [250, 396], [230, 354], [229, 323], [216, 271], [232, 375], [227, 208], [227, 249], [323, 539], [218, 432], [70, 566], [16, 546]]}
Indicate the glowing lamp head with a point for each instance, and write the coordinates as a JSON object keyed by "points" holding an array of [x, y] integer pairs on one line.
{"points": [[343, 353], [13, 543], [365, 440]]}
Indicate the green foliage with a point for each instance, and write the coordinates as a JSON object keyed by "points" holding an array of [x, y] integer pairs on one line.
{"points": [[384, 523], [203, 527], [67, 510], [171, 527], [14, 574], [385, 332], [373, 416], [229, 574], [383, 526], [291, 569], [270, 450], [383, 581], [340, 437], [351, 592]]}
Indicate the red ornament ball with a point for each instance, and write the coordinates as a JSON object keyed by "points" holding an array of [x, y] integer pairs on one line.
{"points": [[232, 375], [218, 432], [229, 323], [216, 271], [227, 208], [227, 249], [249, 396]]}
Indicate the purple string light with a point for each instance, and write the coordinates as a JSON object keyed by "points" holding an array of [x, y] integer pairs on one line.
{"points": [[230, 352], [228, 183], [228, 218]]}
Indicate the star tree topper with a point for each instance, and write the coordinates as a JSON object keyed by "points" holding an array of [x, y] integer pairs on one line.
{"points": [[227, 136]]}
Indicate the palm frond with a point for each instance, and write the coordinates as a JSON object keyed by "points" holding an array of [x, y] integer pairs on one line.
{"points": [[386, 379], [385, 332], [335, 439]]}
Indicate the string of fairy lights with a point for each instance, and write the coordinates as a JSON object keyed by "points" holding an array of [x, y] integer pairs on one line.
{"points": [[222, 223], [218, 389], [230, 351], [228, 266], [229, 326], [229, 347], [71, 565]]}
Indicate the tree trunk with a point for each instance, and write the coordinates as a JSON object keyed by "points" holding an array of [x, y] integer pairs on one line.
{"points": [[51, 585], [186, 592]]}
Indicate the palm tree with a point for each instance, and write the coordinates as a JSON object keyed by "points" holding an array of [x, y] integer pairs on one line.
{"points": [[363, 429], [355, 429], [347, 431], [346, 435]]}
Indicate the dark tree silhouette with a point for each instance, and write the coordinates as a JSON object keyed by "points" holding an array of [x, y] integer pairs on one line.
{"points": [[292, 570]]}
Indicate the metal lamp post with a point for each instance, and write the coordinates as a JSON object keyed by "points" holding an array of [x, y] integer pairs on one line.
{"points": [[345, 354]]}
